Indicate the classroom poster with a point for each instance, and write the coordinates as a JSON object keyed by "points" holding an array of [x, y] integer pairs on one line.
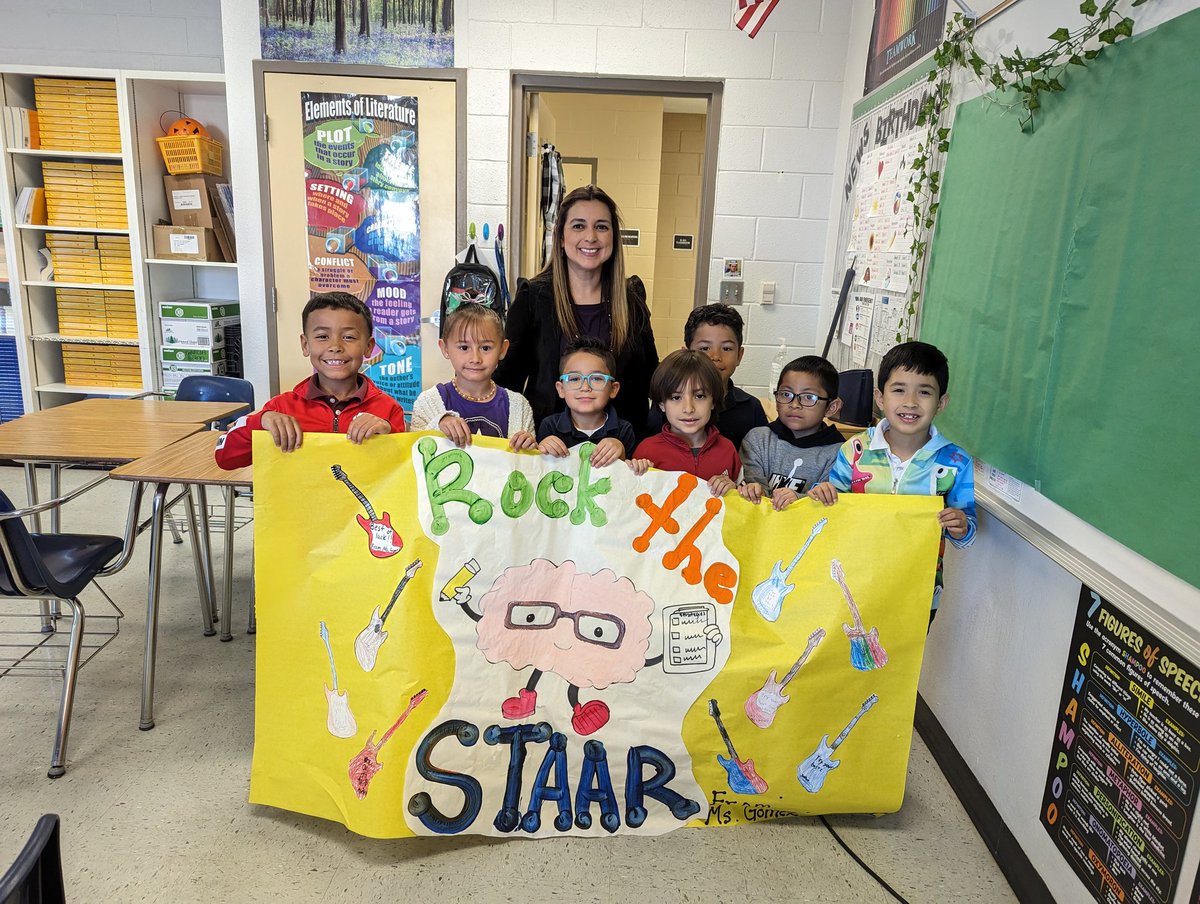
{"points": [[903, 32], [475, 641], [375, 32], [1121, 786], [877, 227], [364, 228]]}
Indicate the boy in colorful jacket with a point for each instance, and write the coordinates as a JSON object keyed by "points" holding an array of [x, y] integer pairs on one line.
{"points": [[904, 454]]}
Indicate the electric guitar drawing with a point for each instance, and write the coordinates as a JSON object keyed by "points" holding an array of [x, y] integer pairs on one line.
{"points": [[384, 541], [742, 777], [769, 595], [339, 720], [866, 652], [762, 705], [371, 638], [813, 770], [364, 766]]}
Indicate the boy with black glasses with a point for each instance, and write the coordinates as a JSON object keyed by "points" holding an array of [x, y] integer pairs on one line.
{"points": [[586, 385], [797, 449]]}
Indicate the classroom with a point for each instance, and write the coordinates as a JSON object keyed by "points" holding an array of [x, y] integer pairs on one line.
{"points": [[430, 192]]}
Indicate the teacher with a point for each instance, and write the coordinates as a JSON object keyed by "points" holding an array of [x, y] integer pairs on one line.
{"points": [[583, 291]]}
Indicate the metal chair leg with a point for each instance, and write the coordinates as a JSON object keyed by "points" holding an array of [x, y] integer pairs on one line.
{"points": [[58, 760], [207, 615], [176, 536]]}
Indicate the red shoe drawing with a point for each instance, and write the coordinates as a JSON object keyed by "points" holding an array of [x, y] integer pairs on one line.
{"points": [[590, 717], [522, 705]]}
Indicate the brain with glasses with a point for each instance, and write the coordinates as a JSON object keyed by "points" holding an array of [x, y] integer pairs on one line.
{"points": [[591, 629]]}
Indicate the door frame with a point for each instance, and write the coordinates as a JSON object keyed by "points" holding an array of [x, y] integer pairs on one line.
{"points": [[328, 70], [525, 83]]}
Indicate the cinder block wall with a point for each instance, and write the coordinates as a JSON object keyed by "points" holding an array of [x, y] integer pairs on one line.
{"points": [[778, 131], [178, 35], [675, 291]]}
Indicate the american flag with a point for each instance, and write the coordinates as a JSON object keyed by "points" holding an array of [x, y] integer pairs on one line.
{"points": [[752, 14]]}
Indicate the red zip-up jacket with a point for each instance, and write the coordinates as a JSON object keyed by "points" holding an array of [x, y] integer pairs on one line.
{"points": [[669, 451], [316, 412]]}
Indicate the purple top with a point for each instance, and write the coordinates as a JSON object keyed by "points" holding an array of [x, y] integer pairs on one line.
{"points": [[593, 320], [488, 418]]}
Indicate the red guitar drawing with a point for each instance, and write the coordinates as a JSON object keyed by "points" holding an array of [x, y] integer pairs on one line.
{"points": [[762, 705], [364, 766], [384, 541]]}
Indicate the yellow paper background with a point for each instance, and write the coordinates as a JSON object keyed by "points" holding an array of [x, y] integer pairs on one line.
{"points": [[311, 565]]}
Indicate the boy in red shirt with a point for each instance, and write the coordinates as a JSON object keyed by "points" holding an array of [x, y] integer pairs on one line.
{"points": [[335, 399]]}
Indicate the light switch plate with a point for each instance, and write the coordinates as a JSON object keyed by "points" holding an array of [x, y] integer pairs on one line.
{"points": [[731, 291], [768, 293]]}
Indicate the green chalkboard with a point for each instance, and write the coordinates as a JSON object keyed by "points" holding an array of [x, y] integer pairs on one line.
{"points": [[1064, 285]]}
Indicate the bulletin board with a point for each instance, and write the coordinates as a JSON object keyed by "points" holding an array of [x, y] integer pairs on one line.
{"points": [[875, 231], [1062, 286]]}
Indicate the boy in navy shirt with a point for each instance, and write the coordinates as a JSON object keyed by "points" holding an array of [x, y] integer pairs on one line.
{"points": [[586, 385], [715, 330]]}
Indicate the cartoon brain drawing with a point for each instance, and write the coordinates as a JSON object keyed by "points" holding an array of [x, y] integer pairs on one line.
{"points": [[592, 630]]}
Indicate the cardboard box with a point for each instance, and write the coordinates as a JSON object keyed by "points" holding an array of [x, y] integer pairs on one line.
{"points": [[186, 243], [189, 200], [178, 362]]}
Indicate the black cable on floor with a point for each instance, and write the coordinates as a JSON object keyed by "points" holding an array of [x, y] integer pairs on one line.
{"points": [[857, 859]]}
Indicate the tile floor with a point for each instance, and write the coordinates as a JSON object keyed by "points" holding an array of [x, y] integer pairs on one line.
{"points": [[162, 815]]}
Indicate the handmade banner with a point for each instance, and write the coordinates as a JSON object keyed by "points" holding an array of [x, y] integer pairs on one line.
{"points": [[364, 226], [478, 641]]}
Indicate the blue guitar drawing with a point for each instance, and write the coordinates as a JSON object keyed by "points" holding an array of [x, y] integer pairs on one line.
{"points": [[768, 596], [813, 770], [742, 777]]}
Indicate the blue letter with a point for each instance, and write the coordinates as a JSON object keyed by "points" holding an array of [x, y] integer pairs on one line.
{"points": [[636, 787], [421, 806], [556, 758], [595, 771], [509, 817]]}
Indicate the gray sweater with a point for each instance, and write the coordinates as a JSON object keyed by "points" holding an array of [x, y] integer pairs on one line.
{"points": [[772, 461]]}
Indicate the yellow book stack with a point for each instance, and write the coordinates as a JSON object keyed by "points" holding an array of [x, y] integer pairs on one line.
{"points": [[87, 195], [101, 365], [107, 314], [102, 259], [77, 114]]}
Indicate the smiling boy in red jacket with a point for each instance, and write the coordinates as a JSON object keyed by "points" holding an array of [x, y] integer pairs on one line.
{"points": [[335, 399]]}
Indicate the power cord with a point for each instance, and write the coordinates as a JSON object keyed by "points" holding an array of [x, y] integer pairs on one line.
{"points": [[857, 859]]}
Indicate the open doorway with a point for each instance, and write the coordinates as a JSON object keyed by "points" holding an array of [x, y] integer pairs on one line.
{"points": [[649, 143]]}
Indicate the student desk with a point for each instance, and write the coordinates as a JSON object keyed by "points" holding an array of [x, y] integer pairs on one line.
{"points": [[188, 462]]}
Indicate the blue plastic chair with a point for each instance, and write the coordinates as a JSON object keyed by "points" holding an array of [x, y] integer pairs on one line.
{"points": [[53, 566], [205, 388], [36, 875]]}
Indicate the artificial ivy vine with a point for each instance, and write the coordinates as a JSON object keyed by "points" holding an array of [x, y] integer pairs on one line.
{"points": [[1027, 77]]}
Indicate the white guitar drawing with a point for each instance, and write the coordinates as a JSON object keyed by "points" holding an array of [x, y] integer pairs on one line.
{"points": [[340, 721], [371, 638]]}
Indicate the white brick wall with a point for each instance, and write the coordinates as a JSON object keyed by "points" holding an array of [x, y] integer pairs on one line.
{"points": [[781, 111], [180, 35]]}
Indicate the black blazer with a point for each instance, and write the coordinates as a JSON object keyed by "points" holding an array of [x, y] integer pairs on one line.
{"points": [[534, 349]]}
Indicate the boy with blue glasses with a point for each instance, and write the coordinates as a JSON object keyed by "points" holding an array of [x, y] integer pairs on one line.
{"points": [[796, 450], [587, 386]]}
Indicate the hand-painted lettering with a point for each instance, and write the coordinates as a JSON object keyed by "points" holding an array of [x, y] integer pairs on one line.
{"points": [[421, 805]]}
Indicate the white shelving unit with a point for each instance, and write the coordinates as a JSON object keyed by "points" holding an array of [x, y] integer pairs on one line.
{"points": [[142, 100]]}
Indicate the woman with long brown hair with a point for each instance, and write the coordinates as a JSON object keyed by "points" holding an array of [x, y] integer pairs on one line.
{"points": [[583, 291]]}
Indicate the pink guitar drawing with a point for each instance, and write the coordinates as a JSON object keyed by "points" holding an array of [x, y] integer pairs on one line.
{"points": [[384, 541], [339, 720], [866, 652], [742, 777], [858, 479], [371, 638], [364, 766], [762, 705]]}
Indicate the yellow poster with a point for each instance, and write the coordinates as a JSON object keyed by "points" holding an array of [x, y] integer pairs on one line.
{"points": [[474, 641]]}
